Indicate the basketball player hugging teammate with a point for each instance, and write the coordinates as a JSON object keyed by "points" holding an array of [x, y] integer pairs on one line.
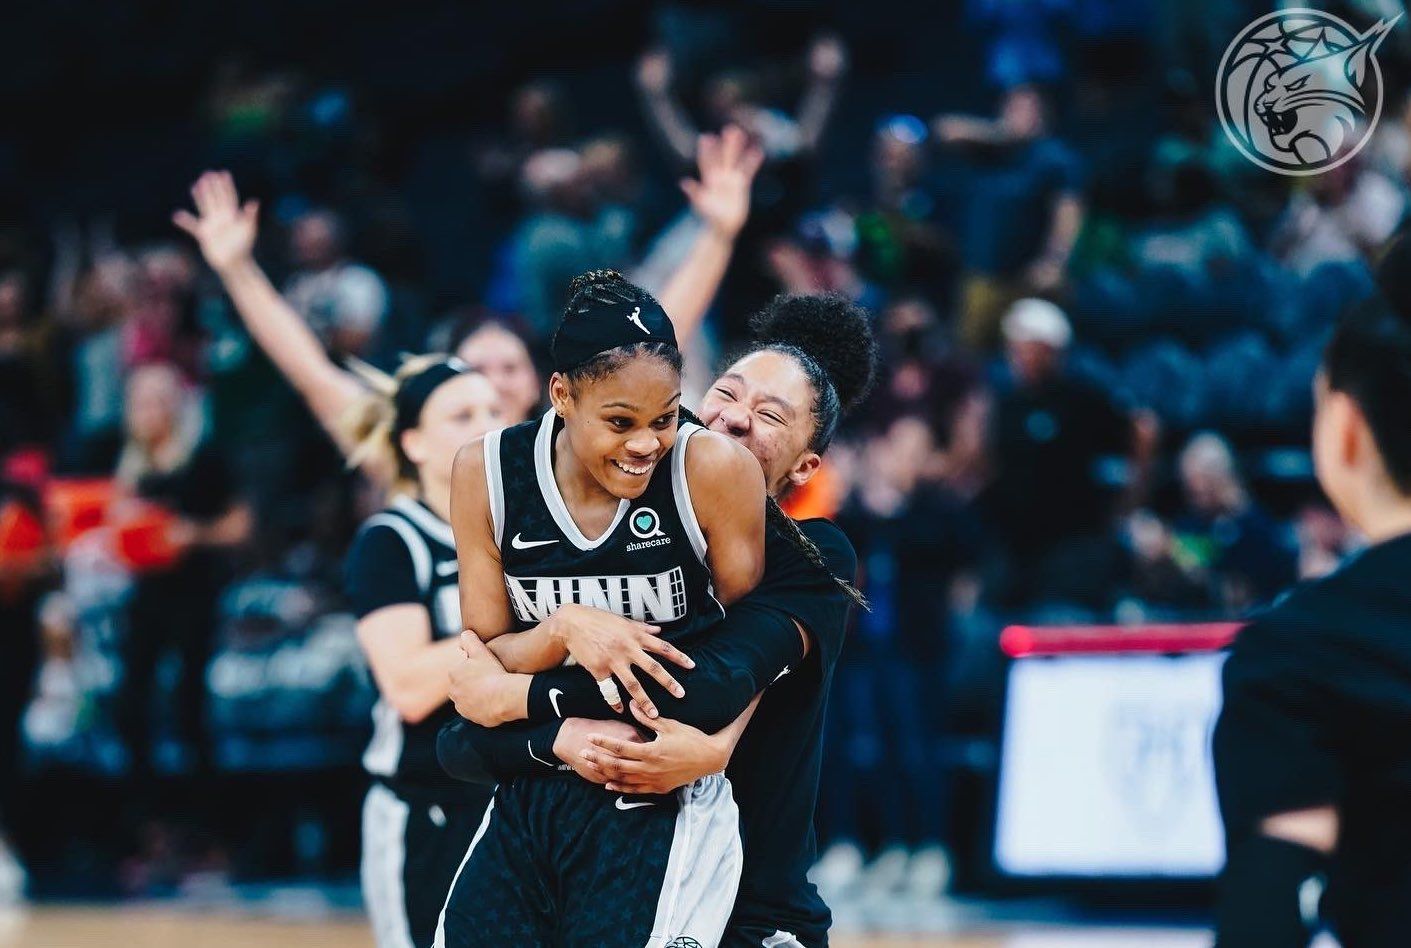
{"points": [[604, 502], [810, 361]]}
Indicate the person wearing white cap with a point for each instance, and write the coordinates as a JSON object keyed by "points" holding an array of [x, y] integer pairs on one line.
{"points": [[1051, 438], [1036, 334]]}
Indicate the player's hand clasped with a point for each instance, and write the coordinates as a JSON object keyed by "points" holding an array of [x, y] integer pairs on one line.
{"points": [[477, 686], [677, 755], [608, 646]]}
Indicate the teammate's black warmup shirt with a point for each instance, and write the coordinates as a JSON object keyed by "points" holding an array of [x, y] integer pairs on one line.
{"points": [[775, 768], [650, 564], [1318, 711], [406, 554]]}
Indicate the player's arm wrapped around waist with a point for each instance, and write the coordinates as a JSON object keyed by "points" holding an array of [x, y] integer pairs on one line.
{"points": [[736, 659], [490, 755]]}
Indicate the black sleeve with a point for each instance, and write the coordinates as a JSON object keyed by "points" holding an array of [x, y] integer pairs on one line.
{"points": [[379, 571], [811, 596], [1273, 743], [735, 659], [1260, 903], [491, 755]]}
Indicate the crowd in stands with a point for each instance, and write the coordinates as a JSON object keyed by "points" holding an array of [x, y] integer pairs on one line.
{"points": [[1099, 326]]}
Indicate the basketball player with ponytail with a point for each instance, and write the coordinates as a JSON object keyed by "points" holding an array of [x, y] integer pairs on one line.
{"points": [[401, 583], [1313, 745], [812, 358]]}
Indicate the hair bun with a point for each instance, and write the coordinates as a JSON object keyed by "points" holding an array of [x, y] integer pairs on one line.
{"points": [[833, 330]]}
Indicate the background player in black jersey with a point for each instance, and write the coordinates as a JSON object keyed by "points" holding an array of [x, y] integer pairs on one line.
{"points": [[811, 359], [401, 582], [602, 502], [226, 231], [1313, 746]]}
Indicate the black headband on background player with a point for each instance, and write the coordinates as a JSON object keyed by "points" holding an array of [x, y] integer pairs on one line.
{"points": [[412, 394], [605, 318]]}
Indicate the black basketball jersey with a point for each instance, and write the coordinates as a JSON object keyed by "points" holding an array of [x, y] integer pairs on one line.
{"points": [[403, 554], [650, 563]]}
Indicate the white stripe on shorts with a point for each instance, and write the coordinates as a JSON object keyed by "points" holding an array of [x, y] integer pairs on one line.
{"points": [[440, 940], [703, 869], [384, 855]]}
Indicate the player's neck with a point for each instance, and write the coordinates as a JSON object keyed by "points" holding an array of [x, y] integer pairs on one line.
{"points": [[1384, 517], [587, 500], [437, 498]]}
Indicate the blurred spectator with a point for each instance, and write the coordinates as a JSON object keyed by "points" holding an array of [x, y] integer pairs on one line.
{"points": [[1224, 535], [566, 233], [1324, 541], [732, 98], [784, 187], [494, 347], [899, 243], [26, 402], [1057, 445], [164, 463], [1343, 215], [538, 119], [916, 543], [345, 302], [1022, 210], [1023, 37]]}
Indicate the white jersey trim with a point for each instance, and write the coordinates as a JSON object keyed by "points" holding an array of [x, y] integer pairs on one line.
{"points": [[440, 940], [703, 868], [384, 751], [415, 542], [544, 470], [383, 860], [681, 491], [495, 484], [435, 527]]}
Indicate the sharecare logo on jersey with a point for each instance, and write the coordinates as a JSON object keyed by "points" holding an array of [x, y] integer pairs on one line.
{"points": [[659, 598]]}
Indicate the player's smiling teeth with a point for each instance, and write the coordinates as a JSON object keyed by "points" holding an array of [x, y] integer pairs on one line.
{"points": [[634, 470]]}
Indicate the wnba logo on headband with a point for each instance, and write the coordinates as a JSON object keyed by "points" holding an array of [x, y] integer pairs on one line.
{"points": [[606, 316]]}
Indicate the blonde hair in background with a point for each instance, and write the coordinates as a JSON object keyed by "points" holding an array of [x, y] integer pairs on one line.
{"points": [[136, 461], [370, 423]]}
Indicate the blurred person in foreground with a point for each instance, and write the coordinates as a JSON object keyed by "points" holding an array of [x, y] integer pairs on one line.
{"points": [[1056, 444], [1312, 763]]}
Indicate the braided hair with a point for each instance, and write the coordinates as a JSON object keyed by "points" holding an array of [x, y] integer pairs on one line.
{"points": [[609, 286]]}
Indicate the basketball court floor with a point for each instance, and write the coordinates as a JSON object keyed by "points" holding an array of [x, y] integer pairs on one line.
{"points": [[168, 927]]}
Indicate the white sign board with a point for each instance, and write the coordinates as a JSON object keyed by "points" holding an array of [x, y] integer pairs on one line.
{"points": [[1106, 767]]}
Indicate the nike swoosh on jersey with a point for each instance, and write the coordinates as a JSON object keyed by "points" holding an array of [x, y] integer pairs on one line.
{"points": [[521, 544], [554, 700], [622, 804]]}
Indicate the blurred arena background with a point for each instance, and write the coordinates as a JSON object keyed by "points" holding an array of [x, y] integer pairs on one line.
{"points": [[1112, 485]]}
